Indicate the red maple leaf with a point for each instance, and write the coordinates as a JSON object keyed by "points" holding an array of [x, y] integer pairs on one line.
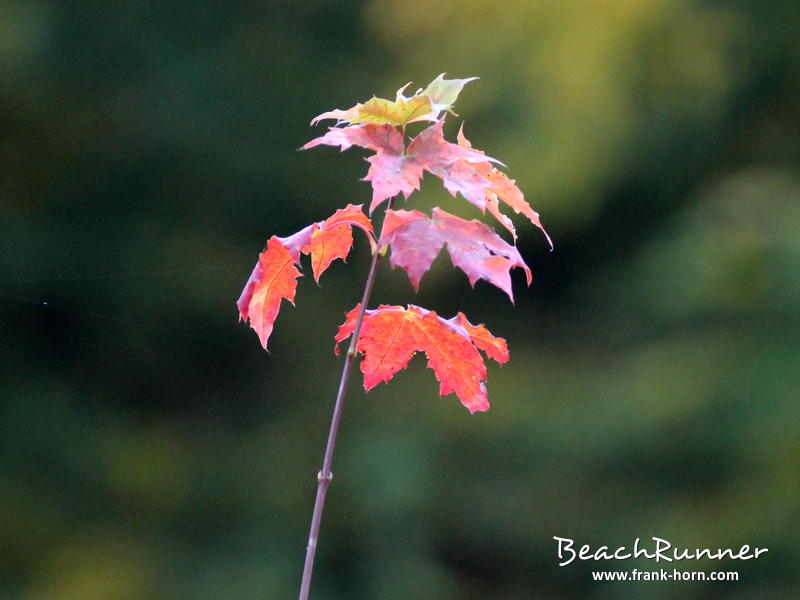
{"points": [[416, 240], [273, 278], [275, 275], [391, 335], [328, 240]]}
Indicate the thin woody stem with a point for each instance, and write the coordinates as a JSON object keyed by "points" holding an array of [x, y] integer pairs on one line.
{"points": [[325, 476]]}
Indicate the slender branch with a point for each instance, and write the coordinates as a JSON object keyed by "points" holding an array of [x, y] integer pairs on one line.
{"points": [[325, 475]]}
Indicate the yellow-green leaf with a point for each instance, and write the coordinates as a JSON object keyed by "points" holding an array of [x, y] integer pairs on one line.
{"points": [[443, 93], [425, 105], [398, 112]]}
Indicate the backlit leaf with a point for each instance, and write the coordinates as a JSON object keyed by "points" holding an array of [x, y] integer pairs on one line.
{"points": [[273, 278], [425, 105], [393, 168], [275, 275], [443, 93], [391, 335], [415, 241]]}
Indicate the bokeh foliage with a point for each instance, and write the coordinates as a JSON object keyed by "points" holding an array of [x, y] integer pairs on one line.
{"points": [[149, 448]]}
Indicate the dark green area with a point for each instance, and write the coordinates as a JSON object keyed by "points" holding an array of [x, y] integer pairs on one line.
{"points": [[149, 449]]}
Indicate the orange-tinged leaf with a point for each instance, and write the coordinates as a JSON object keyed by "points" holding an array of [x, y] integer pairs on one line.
{"points": [[273, 279], [388, 340], [327, 245], [330, 239], [274, 276], [391, 335], [494, 347], [352, 214], [333, 237], [415, 241]]}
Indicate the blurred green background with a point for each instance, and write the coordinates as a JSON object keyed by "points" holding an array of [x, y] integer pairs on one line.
{"points": [[149, 449]]}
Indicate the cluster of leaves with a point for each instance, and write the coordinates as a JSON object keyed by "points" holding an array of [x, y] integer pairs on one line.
{"points": [[391, 335]]}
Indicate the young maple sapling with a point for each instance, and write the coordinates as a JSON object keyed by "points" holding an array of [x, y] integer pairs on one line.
{"points": [[388, 336]]}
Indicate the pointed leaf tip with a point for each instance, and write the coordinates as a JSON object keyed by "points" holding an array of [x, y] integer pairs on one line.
{"points": [[444, 92], [467, 178]]}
